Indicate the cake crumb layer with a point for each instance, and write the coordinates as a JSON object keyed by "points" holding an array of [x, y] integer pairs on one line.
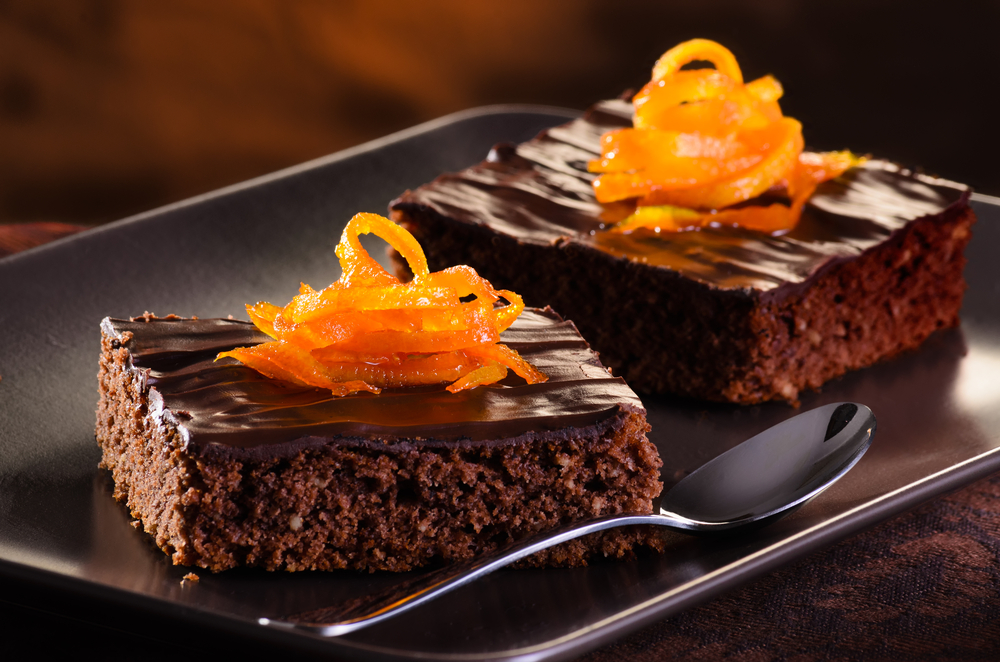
{"points": [[389, 500], [726, 314]]}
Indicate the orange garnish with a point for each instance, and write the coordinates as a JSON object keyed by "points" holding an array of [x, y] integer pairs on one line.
{"points": [[369, 331], [702, 141]]}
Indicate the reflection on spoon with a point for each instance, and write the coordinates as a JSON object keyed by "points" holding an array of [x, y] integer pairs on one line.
{"points": [[758, 481]]}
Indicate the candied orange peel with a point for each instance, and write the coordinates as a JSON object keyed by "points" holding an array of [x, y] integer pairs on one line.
{"points": [[703, 141], [369, 331]]}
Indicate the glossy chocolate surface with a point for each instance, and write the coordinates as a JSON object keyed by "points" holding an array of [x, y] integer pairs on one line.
{"points": [[540, 192], [225, 403], [70, 544]]}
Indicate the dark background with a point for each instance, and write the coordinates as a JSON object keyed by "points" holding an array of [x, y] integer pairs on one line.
{"points": [[110, 108]]}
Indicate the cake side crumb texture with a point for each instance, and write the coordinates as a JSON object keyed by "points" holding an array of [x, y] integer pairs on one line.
{"points": [[378, 501], [724, 314]]}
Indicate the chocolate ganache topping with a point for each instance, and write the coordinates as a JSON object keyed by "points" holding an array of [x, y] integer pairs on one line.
{"points": [[540, 192], [226, 405]]}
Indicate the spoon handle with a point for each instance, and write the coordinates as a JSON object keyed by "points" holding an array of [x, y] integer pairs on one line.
{"points": [[835, 437], [371, 609]]}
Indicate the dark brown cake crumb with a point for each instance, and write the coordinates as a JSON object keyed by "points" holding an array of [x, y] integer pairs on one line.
{"points": [[684, 338], [373, 506], [873, 268]]}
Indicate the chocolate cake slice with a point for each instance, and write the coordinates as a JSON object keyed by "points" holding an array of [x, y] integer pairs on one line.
{"points": [[872, 269], [225, 467]]}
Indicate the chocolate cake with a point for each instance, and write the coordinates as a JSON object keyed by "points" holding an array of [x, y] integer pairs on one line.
{"points": [[225, 467], [873, 267]]}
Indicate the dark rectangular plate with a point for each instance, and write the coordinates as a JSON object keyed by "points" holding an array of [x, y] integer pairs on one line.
{"points": [[938, 415]]}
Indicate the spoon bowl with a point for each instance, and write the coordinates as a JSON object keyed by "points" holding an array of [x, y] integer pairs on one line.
{"points": [[760, 480], [772, 473]]}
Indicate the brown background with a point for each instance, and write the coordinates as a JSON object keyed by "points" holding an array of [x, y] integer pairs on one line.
{"points": [[109, 108]]}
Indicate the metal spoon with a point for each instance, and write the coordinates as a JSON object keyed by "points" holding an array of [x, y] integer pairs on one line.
{"points": [[758, 481]]}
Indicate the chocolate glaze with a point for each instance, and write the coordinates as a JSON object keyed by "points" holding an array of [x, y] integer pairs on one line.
{"points": [[225, 404], [540, 193]]}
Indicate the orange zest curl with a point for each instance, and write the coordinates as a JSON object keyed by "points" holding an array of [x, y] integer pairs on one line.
{"points": [[703, 141], [369, 331]]}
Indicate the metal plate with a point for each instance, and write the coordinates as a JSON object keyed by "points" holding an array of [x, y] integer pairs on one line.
{"points": [[60, 531]]}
